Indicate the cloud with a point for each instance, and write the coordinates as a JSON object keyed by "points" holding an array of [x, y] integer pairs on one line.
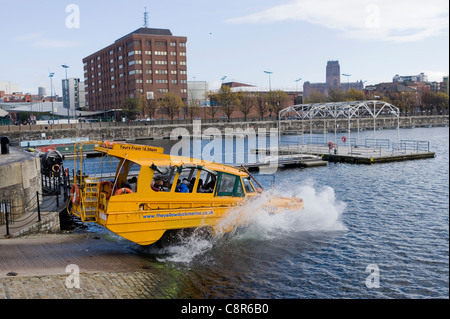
{"points": [[38, 40], [386, 20]]}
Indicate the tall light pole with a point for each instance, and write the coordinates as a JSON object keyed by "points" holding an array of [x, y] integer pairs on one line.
{"points": [[348, 80], [66, 96], [270, 84], [296, 84], [51, 94]]}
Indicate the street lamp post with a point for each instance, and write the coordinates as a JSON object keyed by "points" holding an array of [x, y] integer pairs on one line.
{"points": [[270, 84], [348, 80], [51, 95], [296, 84], [66, 96], [296, 87]]}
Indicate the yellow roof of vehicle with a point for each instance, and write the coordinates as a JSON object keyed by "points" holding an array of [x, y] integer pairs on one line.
{"points": [[148, 155]]}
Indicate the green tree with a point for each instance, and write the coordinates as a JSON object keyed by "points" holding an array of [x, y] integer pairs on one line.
{"points": [[130, 108], [336, 95], [277, 101], [316, 97], [354, 95], [171, 104], [227, 100]]}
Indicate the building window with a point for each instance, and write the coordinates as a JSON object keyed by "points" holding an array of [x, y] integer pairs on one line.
{"points": [[174, 82], [163, 90], [148, 62], [173, 53], [160, 71], [148, 52], [182, 44], [182, 72], [160, 52], [162, 81], [148, 71], [173, 72], [182, 53], [148, 81], [183, 91], [131, 62], [138, 81], [173, 44], [182, 63], [162, 43]]}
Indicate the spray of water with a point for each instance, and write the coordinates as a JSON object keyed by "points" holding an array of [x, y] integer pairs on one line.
{"points": [[321, 212]]}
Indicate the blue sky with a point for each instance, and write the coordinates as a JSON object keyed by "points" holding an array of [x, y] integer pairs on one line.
{"points": [[372, 39]]}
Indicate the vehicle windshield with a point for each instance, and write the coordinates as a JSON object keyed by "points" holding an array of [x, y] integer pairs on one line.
{"points": [[248, 186]]}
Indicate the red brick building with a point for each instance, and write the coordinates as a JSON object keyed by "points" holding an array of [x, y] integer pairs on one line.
{"points": [[146, 62]]}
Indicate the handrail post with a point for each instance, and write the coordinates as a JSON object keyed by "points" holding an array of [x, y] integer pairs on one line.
{"points": [[7, 219], [38, 207]]}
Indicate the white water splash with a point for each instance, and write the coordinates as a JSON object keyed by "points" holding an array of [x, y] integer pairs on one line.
{"points": [[321, 212]]}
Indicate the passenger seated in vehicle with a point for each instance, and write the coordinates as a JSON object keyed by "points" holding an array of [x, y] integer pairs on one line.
{"points": [[209, 188], [166, 186], [157, 185], [177, 187], [133, 184], [184, 186], [200, 186]]}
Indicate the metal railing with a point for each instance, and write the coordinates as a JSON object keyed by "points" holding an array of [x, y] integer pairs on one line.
{"points": [[414, 146]]}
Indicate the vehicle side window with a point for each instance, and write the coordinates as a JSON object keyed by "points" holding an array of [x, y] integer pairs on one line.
{"points": [[226, 185], [238, 191], [229, 185]]}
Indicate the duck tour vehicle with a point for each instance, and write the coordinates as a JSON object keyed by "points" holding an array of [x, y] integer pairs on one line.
{"points": [[152, 192]]}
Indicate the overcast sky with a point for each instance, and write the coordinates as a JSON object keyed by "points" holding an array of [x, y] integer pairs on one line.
{"points": [[373, 40]]}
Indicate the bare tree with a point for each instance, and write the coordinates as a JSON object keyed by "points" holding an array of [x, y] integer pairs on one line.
{"points": [[247, 103], [261, 105]]}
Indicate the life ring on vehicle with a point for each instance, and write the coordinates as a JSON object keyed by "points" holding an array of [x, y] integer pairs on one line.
{"points": [[75, 194], [344, 139], [330, 145], [110, 186], [123, 190], [55, 168]]}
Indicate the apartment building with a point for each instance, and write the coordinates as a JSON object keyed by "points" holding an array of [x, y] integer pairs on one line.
{"points": [[147, 62]]}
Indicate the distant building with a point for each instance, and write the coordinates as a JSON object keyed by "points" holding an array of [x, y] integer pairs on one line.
{"points": [[444, 85], [412, 78], [333, 81], [197, 93], [73, 94], [42, 92], [9, 87], [147, 62]]}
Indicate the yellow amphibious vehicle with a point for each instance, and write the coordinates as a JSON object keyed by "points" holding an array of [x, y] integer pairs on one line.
{"points": [[152, 192]]}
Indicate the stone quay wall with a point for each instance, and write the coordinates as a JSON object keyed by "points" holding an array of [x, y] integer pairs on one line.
{"points": [[143, 130], [20, 179]]}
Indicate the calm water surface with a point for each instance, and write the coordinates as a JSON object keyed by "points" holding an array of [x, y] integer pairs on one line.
{"points": [[392, 217]]}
